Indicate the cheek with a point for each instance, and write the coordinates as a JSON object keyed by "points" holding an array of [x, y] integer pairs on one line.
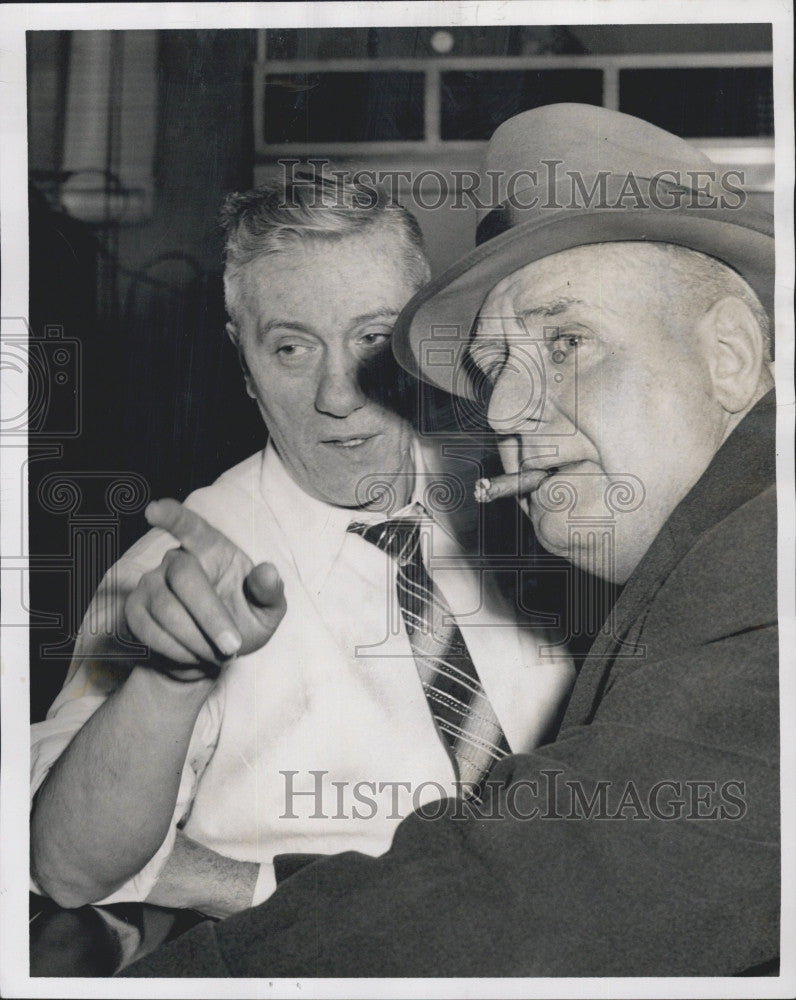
{"points": [[400, 431], [283, 394], [619, 409], [661, 433], [287, 417]]}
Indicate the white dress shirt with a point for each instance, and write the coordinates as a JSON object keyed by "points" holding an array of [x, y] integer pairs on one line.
{"points": [[332, 705]]}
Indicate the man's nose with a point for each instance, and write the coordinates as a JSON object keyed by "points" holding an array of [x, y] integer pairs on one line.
{"points": [[519, 396], [339, 392]]}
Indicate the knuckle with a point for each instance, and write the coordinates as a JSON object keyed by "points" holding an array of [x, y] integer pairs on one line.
{"points": [[169, 617], [170, 559], [145, 580], [135, 617], [133, 602], [149, 588], [181, 568]]}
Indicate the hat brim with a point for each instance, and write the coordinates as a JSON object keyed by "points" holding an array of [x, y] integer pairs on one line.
{"points": [[431, 334]]}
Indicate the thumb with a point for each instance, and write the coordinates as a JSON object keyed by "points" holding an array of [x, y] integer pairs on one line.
{"points": [[263, 586]]}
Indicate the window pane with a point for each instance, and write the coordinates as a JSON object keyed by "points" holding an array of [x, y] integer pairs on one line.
{"points": [[702, 103], [475, 102], [344, 107]]}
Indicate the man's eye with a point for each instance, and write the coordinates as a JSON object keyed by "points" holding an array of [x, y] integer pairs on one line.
{"points": [[290, 351], [375, 338], [565, 343]]}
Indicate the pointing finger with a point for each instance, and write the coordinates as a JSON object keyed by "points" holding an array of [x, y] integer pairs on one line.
{"points": [[190, 530]]}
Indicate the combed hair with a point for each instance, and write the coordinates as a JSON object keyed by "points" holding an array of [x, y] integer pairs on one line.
{"points": [[281, 216]]}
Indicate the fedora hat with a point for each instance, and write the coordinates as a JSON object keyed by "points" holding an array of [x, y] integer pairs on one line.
{"points": [[569, 175]]}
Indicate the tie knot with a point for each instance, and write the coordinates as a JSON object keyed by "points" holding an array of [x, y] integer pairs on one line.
{"points": [[399, 537]]}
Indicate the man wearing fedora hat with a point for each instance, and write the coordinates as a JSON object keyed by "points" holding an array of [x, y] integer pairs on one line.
{"points": [[613, 322]]}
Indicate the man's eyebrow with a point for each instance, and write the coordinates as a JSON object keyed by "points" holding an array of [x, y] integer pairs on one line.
{"points": [[551, 308], [547, 309], [289, 324], [385, 313], [282, 324]]}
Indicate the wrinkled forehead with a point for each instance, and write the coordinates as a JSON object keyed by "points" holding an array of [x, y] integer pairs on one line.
{"points": [[558, 271], [604, 276]]}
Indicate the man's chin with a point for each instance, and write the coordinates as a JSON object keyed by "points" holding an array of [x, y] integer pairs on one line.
{"points": [[597, 552], [349, 486], [585, 549]]}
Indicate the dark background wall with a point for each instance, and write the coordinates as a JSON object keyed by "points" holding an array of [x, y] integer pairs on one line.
{"points": [[158, 392]]}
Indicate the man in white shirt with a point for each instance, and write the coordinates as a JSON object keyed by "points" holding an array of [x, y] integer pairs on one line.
{"points": [[282, 708]]}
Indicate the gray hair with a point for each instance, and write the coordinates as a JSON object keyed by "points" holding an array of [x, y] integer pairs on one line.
{"points": [[705, 280], [280, 217]]}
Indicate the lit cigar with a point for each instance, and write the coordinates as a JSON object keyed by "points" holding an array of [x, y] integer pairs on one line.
{"points": [[510, 484]]}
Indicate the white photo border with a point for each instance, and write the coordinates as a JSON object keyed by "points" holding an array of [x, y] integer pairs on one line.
{"points": [[15, 19]]}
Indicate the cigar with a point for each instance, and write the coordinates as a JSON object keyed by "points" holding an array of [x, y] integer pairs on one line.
{"points": [[510, 484]]}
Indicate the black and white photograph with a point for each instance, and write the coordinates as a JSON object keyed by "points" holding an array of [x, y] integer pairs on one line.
{"points": [[398, 506]]}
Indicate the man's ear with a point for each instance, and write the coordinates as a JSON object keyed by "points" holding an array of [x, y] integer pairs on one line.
{"points": [[736, 350], [234, 336]]}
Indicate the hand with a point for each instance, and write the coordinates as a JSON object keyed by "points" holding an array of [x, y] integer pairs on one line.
{"points": [[207, 601]]}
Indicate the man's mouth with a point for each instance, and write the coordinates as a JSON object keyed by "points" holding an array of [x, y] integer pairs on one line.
{"points": [[349, 441]]}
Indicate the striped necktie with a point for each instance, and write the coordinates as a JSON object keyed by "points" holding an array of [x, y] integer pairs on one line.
{"points": [[458, 702]]}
